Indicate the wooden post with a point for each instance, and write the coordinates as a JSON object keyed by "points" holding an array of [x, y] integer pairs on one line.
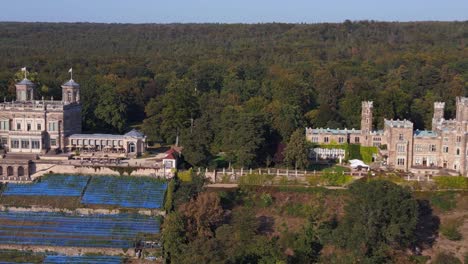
{"points": [[260, 171], [296, 173], [242, 171], [250, 170]]}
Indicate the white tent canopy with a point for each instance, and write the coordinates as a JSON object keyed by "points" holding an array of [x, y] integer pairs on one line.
{"points": [[355, 163]]}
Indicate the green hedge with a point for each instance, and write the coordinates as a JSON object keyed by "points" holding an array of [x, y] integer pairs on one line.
{"points": [[256, 179], [169, 196], [451, 182]]}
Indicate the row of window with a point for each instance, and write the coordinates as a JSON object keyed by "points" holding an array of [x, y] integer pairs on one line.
{"points": [[25, 143], [327, 139], [5, 126], [97, 142]]}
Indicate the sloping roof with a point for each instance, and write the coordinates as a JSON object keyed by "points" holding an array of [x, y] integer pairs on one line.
{"points": [[170, 154], [25, 82], [134, 133], [72, 83], [95, 136]]}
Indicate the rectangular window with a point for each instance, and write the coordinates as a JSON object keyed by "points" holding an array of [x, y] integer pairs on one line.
{"points": [[458, 139], [25, 143], [35, 144], [417, 161], [15, 143], [401, 161], [432, 148], [401, 148], [4, 140], [53, 126], [400, 137], [340, 140], [18, 126], [445, 148], [356, 139], [325, 140], [314, 139], [39, 126], [4, 125], [53, 142], [28, 126]]}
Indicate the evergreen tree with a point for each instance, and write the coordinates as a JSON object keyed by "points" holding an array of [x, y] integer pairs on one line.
{"points": [[296, 150]]}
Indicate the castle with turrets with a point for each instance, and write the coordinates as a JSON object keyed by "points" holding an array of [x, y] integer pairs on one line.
{"points": [[440, 151], [32, 129]]}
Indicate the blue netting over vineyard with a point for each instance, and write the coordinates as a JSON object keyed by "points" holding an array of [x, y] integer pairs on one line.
{"points": [[57, 229], [131, 192], [52, 185], [83, 259]]}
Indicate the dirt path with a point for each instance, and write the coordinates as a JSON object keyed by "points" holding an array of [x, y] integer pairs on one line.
{"points": [[69, 251]]}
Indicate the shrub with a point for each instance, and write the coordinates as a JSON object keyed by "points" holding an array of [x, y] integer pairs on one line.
{"points": [[265, 200], [185, 176], [450, 229], [446, 258], [336, 178], [444, 201], [169, 196], [256, 179]]}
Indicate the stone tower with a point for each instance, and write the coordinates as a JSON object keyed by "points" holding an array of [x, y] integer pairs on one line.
{"points": [[438, 114], [71, 92], [366, 117], [462, 109], [25, 90]]}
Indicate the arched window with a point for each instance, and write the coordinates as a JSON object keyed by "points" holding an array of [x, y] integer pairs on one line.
{"points": [[9, 171], [20, 171]]}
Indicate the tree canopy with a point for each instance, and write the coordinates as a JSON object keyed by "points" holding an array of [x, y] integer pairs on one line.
{"points": [[249, 86]]}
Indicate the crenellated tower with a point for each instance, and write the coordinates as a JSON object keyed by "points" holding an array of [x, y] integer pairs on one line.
{"points": [[366, 117], [438, 114]]}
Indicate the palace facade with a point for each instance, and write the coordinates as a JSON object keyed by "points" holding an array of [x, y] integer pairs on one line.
{"points": [[42, 127], [440, 151]]}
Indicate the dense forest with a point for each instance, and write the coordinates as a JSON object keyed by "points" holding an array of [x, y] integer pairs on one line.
{"points": [[241, 90]]}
